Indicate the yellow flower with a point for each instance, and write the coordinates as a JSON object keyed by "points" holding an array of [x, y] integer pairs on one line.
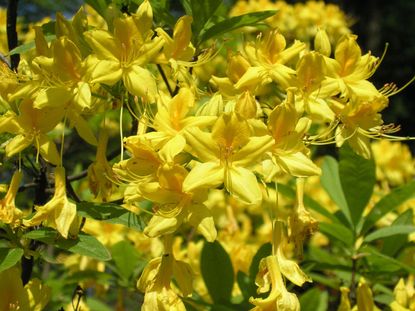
{"points": [[34, 296], [30, 127], [269, 277], [351, 70], [125, 53], [59, 212], [288, 130], [269, 58], [9, 213], [226, 154], [155, 281]]}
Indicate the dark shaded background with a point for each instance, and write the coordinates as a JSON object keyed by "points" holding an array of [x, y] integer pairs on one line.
{"points": [[376, 22]]}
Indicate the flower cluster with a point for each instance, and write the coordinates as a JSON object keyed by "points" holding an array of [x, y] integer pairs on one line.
{"points": [[204, 155]]}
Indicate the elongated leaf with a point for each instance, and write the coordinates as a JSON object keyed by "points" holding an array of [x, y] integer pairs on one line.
{"points": [[330, 180], [217, 272], [202, 11], [357, 177], [235, 22], [111, 213], [84, 244], [9, 257], [392, 245], [388, 203], [28, 46], [389, 231], [338, 232], [379, 262], [308, 202]]}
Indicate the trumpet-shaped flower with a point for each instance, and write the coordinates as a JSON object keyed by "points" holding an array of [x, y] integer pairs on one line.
{"points": [[59, 212], [155, 282], [269, 57], [30, 127], [9, 213], [288, 130], [351, 70], [226, 153], [123, 54]]}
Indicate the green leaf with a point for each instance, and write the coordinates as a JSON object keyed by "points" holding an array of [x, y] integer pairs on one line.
{"points": [[217, 272], [357, 177], [392, 245], [330, 180], [388, 203], [338, 232], [84, 244], [125, 257], [308, 202], [389, 231], [314, 300], [111, 213], [28, 46], [380, 263], [9, 257], [202, 11], [232, 23], [187, 7]]}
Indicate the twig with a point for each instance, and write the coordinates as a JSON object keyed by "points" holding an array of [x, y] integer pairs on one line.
{"points": [[163, 75], [12, 33]]}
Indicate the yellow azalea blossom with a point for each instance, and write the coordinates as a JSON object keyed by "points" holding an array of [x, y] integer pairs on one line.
{"points": [[351, 70], [360, 120], [302, 224], [344, 300], [59, 212], [179, 47], [155, 282], [173, 118], [288, 130], [30, 127], [313, 88], [34, 296], [269, 58], [269, 278], [226, 154], [364, 297], [9, 213], [100, 174], [124, 54]]}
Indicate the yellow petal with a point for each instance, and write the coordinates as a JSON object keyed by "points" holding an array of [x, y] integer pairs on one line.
{"points": [[47, 149], [183, 274], [39, 294], [83, 128], [103, 44], [297, 164], [17, 144], [243, 184], [107, 71], [159, 225], [140, 82], [213, 176], [201, 218]]}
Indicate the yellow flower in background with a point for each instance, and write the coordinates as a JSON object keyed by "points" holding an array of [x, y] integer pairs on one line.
{"points": [[155, 281], [30, 127], [34, 296], [9, 213], [59, 212], [269, 279]]}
